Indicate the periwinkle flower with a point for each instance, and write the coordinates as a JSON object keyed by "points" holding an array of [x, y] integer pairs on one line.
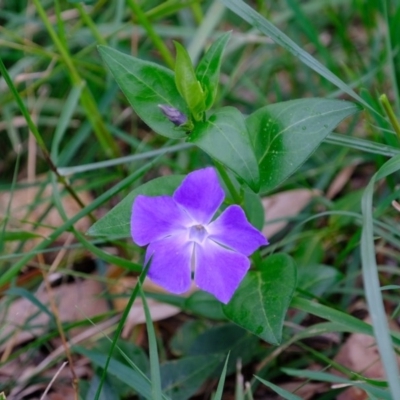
{"points": [[173, 114], [182, 237]]}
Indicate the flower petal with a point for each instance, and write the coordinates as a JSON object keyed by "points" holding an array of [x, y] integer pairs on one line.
{"points": [[219, 271], [170, 264], [200, 194], [154, 218], [232, 230]]}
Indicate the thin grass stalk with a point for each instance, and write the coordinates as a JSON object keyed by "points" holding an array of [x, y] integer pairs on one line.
{"points": [[158, 42], [105, 139]]}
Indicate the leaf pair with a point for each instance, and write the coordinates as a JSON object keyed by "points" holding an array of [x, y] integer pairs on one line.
{"points": [[199, 87], [262, 150]]}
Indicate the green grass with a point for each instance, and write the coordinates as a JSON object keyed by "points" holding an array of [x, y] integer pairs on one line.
{"points": [[85, 139]]}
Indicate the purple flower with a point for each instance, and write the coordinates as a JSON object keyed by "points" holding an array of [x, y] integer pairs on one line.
{"points": [[182, 237], [174, 115]]}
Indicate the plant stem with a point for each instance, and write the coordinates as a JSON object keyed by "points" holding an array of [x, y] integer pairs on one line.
{"points": [[90, 24], [158, 42], [225, 177], [390, 114]]}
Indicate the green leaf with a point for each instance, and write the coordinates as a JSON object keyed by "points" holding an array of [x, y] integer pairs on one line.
{"points": [[207, 70], [188, 85], [254, 209], [224, 137], [285, 134], [261, 302], [116, 223], [185, 335], [317, 278], [146, 85], [224, 339], [205, 305], [20, 235], [182, 378]]}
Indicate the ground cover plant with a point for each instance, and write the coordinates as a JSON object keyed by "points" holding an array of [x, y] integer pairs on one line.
{"points": [[199, 199]]}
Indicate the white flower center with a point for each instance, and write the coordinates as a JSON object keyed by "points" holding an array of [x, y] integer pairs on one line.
{"points": [[197, 233]]}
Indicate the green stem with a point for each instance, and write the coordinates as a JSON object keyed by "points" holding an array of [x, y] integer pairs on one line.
{"points": [[158, 42], [90, 24], [197, 13], [225, 177], [391, 55], [257, 259], [390, 114]]}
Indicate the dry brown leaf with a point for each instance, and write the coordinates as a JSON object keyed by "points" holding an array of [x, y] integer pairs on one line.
{"points": [[62, 393], [340, 181], [20, 200], [396, 205], [360, 354], [74, 301], [284, 205]]}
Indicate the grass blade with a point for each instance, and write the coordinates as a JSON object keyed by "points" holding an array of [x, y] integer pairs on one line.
{"points": [[220, 388], [266, 27], [282, 392], [156, 389], [371, 280]]}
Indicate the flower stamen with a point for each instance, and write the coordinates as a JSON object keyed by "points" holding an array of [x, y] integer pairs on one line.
{"points": [[197, 233]]}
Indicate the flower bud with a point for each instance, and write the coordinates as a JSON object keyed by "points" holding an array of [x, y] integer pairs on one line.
{"points": [[174, 115]]}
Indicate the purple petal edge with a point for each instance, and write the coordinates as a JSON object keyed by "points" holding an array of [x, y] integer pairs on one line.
{"points": [[200, 194], [232, 229], [170, 260], [154, 218], [219, 271]]}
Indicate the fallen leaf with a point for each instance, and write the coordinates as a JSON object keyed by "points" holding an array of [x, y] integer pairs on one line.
{"points": [[340, 181], [283, 206], [25, 207], [24, 321], [360, 354]]}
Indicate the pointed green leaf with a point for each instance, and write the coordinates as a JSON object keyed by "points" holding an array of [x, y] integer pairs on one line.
{"points": [[261, 302], [285, 134], [254, 209], [220, 388], [186, 82], [207, 71], [182, 378], [146, 85], [224, 137], [224, 339], [116, 223]]}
